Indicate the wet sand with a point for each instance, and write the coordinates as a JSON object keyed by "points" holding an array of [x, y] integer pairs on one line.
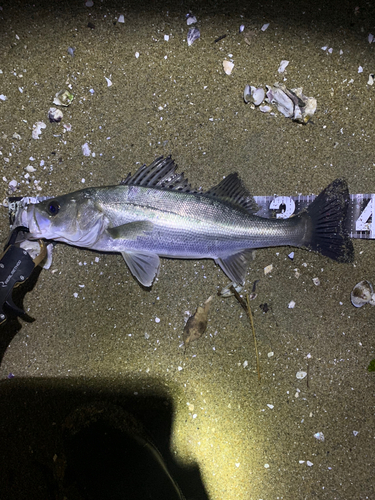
{"points": [[97, 334]]}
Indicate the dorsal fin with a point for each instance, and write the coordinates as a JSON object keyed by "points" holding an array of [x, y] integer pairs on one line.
{"points": [[232, 190], [160, 174]]}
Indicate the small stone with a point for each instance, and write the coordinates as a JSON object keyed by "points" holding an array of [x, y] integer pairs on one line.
{"points": [[291, 304], [301, 375], [121, 19]]}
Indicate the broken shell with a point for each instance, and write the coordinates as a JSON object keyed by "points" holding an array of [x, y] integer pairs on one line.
{"points": [[193, 34], [265, 108], [190, 19], [247, 94], [228, 67], [362, 294], [292, 103], [283, 102], [63, 98], [253, 94], [283, 66], [227, 290], [55, 115], [37, 129]]}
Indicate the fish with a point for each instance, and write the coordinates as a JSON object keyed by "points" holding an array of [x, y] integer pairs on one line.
{"points": [[156, 213]]}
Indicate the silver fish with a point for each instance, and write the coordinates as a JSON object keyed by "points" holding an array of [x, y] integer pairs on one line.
{"points": [[155, 213]]}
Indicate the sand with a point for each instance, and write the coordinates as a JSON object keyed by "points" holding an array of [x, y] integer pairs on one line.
{"points": [[98, 336]]}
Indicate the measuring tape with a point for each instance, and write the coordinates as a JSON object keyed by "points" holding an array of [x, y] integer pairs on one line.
{"points": [[360, 221]]}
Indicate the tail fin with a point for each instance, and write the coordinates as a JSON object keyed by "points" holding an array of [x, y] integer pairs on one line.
{"points": [[327, 214]]}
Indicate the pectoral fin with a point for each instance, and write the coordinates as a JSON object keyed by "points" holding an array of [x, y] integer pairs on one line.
{"points": [[235, 266], [131, 230], [144, 266]]}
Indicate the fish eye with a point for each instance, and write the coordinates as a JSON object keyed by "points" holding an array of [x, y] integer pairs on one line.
{"points": [[53, 207]]}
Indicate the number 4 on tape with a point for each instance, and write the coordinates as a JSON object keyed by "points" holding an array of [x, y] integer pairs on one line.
{"points": [[366, 221]]}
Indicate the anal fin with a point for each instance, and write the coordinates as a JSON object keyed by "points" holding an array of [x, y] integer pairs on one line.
{"points": [[235, 265], [143, 265]]}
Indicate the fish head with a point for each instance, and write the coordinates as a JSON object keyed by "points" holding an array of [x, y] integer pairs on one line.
{"points": [[72, 218]]}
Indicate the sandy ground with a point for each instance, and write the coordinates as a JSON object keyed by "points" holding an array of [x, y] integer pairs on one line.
{"points": [[98, 335]]}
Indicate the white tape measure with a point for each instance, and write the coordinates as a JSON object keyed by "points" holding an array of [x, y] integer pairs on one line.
{"points": [[361, 211], [360, 220]]}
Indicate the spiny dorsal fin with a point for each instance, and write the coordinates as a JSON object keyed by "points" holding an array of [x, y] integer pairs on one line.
{"points": [[160, 174], [232, 190]]}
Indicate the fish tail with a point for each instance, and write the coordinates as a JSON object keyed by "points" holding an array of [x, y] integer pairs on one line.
{"points": [[326, 217]]}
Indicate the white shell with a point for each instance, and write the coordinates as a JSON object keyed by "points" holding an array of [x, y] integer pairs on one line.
{"points": [[301, 375], [268, 269], [265, 108], [227, 292], [258, 96], [283, 103], [37, 129], [63, 98], [55, 115], [361, 294], [193, 34], [247, 94], [121, 18], [319, 436], [283, 66], [228, 67], [292, 103], [191, 20]]}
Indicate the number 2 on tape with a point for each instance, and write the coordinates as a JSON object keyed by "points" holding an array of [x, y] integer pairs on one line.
{"points": [[279, 203]]}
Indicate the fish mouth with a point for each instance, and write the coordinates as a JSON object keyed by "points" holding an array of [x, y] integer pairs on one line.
{"points": [[34, 223]]}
